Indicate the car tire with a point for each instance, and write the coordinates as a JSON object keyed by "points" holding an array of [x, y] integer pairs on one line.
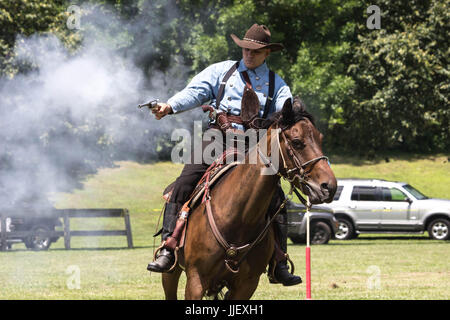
{"points": [[297, 239], [320, 233], [439, 229], [345, 230], [37, 242]]}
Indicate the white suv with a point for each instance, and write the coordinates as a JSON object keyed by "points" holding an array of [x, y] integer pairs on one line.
{"points": [[371, 206]]}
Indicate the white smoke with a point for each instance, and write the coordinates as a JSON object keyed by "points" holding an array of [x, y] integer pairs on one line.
{"points": [[76, 110]]}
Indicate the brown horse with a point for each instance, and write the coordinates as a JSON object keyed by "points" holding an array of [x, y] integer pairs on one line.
{"points": [[239, 204]]}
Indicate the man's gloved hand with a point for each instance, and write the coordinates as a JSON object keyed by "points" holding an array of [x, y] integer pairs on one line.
{"points": [[162, 110]]}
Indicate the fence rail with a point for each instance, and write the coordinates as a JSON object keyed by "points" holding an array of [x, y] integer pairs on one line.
{"points": [[67, 233]]}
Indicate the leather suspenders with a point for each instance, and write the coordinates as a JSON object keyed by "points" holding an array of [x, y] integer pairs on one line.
{"points": [[224, 82], [269, 99], [271, 93]]}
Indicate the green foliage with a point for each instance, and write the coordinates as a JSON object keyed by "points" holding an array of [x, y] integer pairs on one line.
{"points": [[371, 90], [401, 72], [27, 17]]}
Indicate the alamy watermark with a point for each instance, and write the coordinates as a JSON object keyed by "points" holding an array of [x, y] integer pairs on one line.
{"points": [[374, 280], [189, 149], [73, 281], [74, 19], [374, 20]]}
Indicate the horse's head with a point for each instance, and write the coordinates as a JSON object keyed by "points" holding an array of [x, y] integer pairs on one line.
{"points": [[303, 162]]}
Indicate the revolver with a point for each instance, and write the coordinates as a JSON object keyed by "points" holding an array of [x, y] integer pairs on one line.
{"points": [[151, 105]]}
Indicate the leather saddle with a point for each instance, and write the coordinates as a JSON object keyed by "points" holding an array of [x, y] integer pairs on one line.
{"points": [[217, 170]]}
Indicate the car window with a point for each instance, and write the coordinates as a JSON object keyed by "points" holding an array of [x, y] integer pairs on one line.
{"points": [[415, 192], [392, 194], [361, 193], [338, 193]]}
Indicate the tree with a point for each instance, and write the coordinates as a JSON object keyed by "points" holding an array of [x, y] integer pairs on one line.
{"points": [[402, 80]]}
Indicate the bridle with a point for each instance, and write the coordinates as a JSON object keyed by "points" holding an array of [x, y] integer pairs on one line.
{"points": [[298, 171], [302, 174]]}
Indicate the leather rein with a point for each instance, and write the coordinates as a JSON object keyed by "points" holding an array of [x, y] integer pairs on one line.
{"points": [[298, 172]]}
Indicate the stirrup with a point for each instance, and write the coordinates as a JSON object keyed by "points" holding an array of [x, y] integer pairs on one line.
{"points": [[175, 252], [271, 274]]}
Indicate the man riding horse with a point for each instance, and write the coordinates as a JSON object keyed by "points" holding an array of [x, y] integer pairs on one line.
{"points": [[223, 85]]}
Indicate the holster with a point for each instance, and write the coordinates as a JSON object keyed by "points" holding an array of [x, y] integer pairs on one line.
{"points": [[173, 240], [224, 121]]}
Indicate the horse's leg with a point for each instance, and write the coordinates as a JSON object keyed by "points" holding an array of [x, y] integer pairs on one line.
{"points": [[194, 286], [244, 290], [170, 283]]}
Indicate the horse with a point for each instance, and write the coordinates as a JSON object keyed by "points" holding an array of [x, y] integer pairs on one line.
{"points": [[238, 204]]}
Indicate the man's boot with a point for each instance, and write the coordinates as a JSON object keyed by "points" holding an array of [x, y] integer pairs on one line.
{"points": [[281, 272], [165, 258], [283, 276]]}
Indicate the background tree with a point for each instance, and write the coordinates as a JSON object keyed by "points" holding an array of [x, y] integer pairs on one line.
{"points": [[402, 80]]}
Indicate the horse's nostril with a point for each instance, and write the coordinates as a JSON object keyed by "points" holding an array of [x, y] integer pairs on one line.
{"points": [[324, 186]]}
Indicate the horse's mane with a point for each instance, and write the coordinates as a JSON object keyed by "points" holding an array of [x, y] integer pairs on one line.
{"points": [[287, 118]]}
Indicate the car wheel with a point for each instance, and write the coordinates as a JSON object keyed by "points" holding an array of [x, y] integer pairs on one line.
{"points": [[345, 230], [37, 241], [297, 239], [439, 229], [320, 233]]}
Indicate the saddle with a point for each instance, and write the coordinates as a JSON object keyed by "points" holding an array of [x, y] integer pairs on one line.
{"points": [[215, 171]]}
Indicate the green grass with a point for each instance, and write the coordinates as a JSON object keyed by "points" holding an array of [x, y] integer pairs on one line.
{"points": [[398, 267]]}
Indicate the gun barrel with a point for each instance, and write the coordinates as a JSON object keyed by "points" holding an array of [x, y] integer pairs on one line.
{"points": [[151, 105]]}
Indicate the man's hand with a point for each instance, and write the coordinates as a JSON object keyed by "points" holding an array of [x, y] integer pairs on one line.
{"points": [[161, 110]]}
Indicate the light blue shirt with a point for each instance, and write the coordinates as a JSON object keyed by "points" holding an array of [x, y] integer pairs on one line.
{"points": [[204, 88]]}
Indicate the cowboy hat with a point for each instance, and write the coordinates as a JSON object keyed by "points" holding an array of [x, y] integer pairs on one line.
{"points": [[257, 37]]}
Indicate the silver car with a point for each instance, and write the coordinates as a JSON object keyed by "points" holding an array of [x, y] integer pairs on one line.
{"points": [[372, 206]]}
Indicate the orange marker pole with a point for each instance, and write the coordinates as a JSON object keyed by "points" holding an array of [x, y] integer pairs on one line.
{"points": [[308, 252]]}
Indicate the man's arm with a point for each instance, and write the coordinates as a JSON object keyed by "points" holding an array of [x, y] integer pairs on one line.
{"points": [[281, 95], [201, 89], [198, 91]]}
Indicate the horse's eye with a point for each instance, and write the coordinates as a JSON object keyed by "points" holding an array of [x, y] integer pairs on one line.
{"points": [[298, 144]]}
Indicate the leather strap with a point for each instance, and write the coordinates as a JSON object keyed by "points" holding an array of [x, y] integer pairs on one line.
{"points": [[248, 83], [224, 82], [216, 231], [271, 94], [271, 90], [235, 119]]}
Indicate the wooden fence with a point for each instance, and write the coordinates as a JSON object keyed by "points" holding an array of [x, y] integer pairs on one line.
{"points": [[67, 233]]}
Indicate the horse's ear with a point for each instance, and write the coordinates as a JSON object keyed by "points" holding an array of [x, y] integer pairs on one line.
{"points": [[287, 112], [249, 105]]}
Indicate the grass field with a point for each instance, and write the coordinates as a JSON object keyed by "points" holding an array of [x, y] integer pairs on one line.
{"points": [[369, 267]]}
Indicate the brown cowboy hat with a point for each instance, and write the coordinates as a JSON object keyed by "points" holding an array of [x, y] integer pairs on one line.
{"points": [[257, 37]]}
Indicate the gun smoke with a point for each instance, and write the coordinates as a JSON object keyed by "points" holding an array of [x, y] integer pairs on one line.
{"points": [[73, 113]]}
